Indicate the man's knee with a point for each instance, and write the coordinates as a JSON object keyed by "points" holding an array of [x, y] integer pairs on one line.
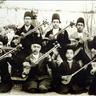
{"points": [[30, 87], [45, 86]]}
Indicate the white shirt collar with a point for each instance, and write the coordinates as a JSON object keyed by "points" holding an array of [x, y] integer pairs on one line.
{"points": [[80, 35], [70, 63], [36, 56], [27, 27], [55, 31]]}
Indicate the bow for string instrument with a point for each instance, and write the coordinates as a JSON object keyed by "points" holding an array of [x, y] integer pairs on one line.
{"points": [[31, 31], [68, 78]]}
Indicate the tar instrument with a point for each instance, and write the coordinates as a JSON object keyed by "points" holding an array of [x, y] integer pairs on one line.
{"points": [[31, 31], [11, 51], [69, 77], [47, 53], [62, 30]]}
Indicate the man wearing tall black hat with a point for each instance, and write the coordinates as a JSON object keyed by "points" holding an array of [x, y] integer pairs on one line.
{"points": [[19, 57], [81, 38], [80, 35], [38, 79], [27, 23], [25, 28], [62, 38]]}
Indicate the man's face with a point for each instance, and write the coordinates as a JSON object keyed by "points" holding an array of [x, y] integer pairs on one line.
{"points": [[34, 14], [35, 48], [69, 54], [27, 20], [1, 45], [80, 27], [55, 23]]}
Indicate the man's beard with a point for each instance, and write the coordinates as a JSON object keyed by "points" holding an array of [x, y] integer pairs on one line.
{"points": [[35, 52], [1, 51], [80, 31]]}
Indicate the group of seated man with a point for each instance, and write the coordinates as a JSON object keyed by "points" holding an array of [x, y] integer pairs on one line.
{"points": [[54, 63]]}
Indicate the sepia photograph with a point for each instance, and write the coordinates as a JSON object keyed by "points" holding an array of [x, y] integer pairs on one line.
{"points": [[47, 47]]}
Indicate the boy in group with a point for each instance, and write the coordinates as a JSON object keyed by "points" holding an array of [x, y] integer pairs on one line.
{"points": [[39, 77], [19, 57], [61, 38], [81, 45], [68, 67]]}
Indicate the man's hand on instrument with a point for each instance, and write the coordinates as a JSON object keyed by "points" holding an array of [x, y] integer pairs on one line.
{"points": [[16, 42], [93, 71], [33, 62], [9, 55], [93, 51], [81, 41], [58, 62], [64, 77], [26, 64], [19, 47], [51, 37], [91, 38], [85, 67], [37, 31], [49, 58], [55, 52], [23, 34]]}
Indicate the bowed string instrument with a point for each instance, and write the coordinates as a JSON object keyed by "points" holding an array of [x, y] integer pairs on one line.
{"points": [[62, 30], [31, 31]]}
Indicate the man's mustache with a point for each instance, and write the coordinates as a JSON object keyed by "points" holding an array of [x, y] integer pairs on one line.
{"points": [[35, 51]]}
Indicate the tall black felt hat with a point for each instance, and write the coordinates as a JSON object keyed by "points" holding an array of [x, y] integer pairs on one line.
{"points": [[37, 40], [81, 20], [56, 16], [27, 13]]}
